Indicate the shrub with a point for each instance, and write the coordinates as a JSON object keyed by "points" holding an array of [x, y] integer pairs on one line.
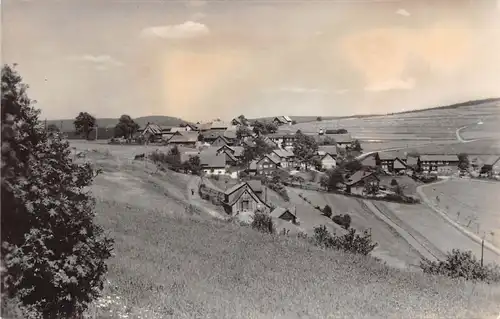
{"points": [[280, 189], [53, 254], [342, 220], [350, 242], [327, 211], [394, 182], [461, 264], [263, 223]]}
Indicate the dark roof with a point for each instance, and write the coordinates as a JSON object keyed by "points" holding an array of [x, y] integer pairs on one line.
{"points": [[369, 161], [411, 160], [283, 153], [255, 185], [439, 158], [273, 159], [327, 149], [280, 211], [211, 160], [358, 176], [185, 137], [231, 134], [399, 164], [223, 138], [154, 128]]}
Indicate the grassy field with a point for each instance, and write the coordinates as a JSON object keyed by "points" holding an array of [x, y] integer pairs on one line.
{"points": [[173, 263], [471, 203]]}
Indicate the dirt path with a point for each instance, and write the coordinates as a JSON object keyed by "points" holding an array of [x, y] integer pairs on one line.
{"points": [[195, 200]]}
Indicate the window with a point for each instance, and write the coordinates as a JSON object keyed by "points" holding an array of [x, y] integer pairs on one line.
{"points": [[245, 204]]}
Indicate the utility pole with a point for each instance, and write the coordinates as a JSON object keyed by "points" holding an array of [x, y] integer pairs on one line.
{"points": [[96, 130], [482, 251], [60, 126], [265, 194], [45, 124]]}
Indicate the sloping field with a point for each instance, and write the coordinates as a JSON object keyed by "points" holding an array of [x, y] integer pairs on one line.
{"points": [[472, 203], [391, 247]]}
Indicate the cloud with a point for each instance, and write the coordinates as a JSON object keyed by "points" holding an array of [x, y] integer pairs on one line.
{"points": [[400, 84], [186, 30], [403, 13], [300, 90], [101, 61]]}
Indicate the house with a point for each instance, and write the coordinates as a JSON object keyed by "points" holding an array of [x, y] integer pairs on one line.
{"points": [[166, 136], [284, 214], [491, 165], [342, 140], [327, 149], [285, 158], [213, 164], [180, 129], [387, 160], [359, 179], [267, 165], [152, 132], [242, 198], [282, 140], [238, 121], [438, 163], [220, 125], [282, 120], [256, 186], [328, 161], [236, 151], [203, 127], [184, 139]]}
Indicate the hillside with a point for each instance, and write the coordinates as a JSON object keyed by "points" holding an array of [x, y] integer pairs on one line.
{"points": [[172, 263], [67, 124]]}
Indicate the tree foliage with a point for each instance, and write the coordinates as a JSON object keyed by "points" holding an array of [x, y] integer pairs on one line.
{"points": [[261, 128], [84, 124], [463, 161], [53, 253], [126, 127], [243, 131], [263, 223], [327, 211], [356, 146], [333, 179], [350, 242], [461, 264], [305, 148], [255, 151]]}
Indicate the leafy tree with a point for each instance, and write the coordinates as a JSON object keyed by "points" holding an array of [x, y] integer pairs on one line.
{"points": [[352, 165], [461, 264], [53, 253], [333, 178], [294, 122], [342, 220], [328, 141], [261, 128], [84, 124], [52, 128], [316, 162], [463, 161], [270, 128], [195, 164], [243, 119], [126, 127], [350, 242], [394, 182], [305, 148], [371, 188], [327, 211], [263, 223], [356, 146], [259, 149], [319, 119], [243, 131]]}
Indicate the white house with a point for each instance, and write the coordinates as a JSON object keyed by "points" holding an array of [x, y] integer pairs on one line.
{"points": [[328, 161]]}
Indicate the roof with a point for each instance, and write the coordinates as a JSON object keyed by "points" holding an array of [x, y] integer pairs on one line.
{"points": [[235, 150], [327, 149], [279, 211], [388, 156], [281, 135], [491, 160], [185, 137], [255, 185], [287, 118], [283, 153], [358, 176], [234, 188], [178, 129], [231, 134], [369, 161], [212, 160], [272, 158], [185, 156], [340, 138], [399, 164], [154, 128], [237, 120], [220, 125], [327, 154], [204, 126], [411, 160], [439, 158], [165, 128], [283, 119], [223, 138]]}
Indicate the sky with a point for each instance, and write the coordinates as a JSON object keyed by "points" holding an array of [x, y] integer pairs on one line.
{"points": [[201, 60]]}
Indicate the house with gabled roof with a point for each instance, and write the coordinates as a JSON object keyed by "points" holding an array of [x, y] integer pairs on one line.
{"points": [[399, 166], [284, 214], [213, 164], [152, 132], [285, 158], [370, 161], [282, 139], [221, 141], [359, 179], [189, 139], [242, 198], [491, 165], [282, 120], [266, 165], [328, 161]]}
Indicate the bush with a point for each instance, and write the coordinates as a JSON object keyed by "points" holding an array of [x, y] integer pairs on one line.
{"points": [[327, 211], [263, 223], [280, 189], [461, 264], [342, 220], [394, 182], [350, 242], [53, 254]]}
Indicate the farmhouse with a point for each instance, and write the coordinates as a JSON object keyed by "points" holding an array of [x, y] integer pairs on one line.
{"points": [[184, 139], [328, 161], [284, 214], [221, 141], [152, 132], [236, 151], [371, 161], [399, 166], [285, 158], [438, 163], [282, 140], [220, 126], [342, 140], [359, 179], [213, 164], [327, 149], [203, 127], [241, 198], [282, 120], [491, 165], [267, 165]]}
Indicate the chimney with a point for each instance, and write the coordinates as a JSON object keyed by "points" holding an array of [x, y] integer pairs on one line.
{"points": [[321, 131]]}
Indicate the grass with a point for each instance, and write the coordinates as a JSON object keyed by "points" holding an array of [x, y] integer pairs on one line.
{"points": [[471, 203], [168, 264]]}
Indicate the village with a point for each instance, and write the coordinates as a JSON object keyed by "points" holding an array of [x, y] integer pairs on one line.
{"points": [[238, 159]]}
